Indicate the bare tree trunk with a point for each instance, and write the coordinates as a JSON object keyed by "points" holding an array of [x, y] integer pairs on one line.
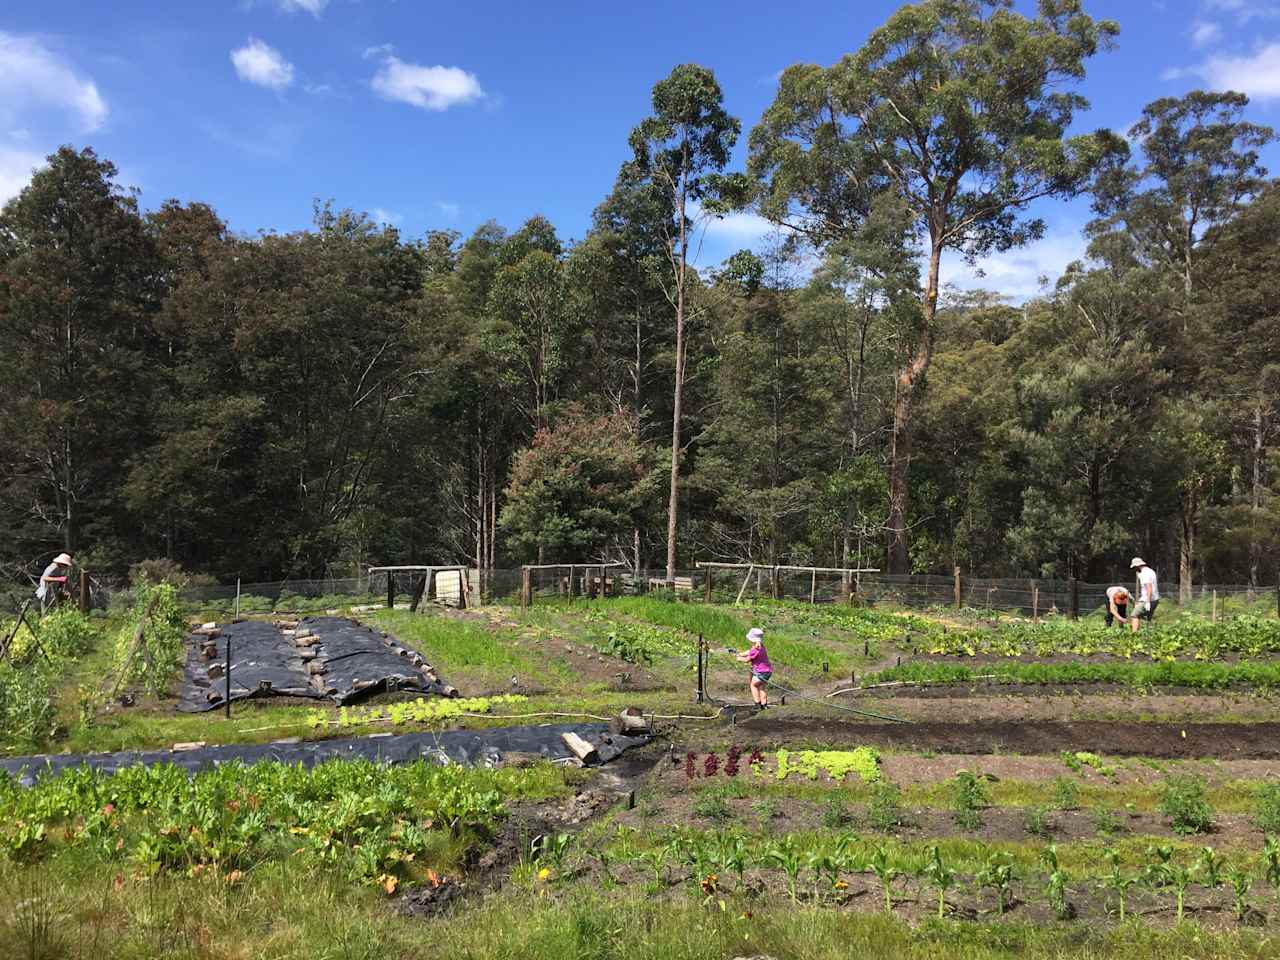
{"points": [[673, 504], [1187, 550], [1255, 498], [909, 378]]}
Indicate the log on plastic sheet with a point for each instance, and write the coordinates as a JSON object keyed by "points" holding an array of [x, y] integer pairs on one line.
{"points": [[583, 749]]}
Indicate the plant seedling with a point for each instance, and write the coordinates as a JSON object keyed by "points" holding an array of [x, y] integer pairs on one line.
{"points": [[886, 873], [1117, 880], [786, 855], [969, 798], [997, 873], [1240, 881], [1037, 822], [939, 876], [1056, 884], [1184, 803]]}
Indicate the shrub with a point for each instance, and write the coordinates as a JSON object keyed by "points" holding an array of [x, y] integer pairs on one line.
{"points": [[1066, 794], [26, 707], [884, 810], [1267, 808], [162, 639], [1037, 822], [711, 805], [834, 814], [1105, 822], [66, 632], [1183, 802], [969, 798]]}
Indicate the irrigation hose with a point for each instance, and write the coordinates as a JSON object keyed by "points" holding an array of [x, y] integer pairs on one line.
{"points": [[832, 706]]}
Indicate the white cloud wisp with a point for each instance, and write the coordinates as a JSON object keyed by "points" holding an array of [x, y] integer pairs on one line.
{"points": [[259, 63], [429, 88], [33, 75]]}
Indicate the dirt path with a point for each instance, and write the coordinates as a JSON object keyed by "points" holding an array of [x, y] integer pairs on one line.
{"points": [[1124, 739]]}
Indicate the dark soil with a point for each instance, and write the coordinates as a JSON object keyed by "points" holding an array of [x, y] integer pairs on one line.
{"points": [[1121, 739], [992, 688]]}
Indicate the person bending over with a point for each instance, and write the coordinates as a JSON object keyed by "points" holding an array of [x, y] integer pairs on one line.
{"points": [[1118, 606]]}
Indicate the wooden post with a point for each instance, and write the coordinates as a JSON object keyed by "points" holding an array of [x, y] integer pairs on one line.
{"points": [[706, 586], [391, 590], [1035, 602], [418, 591], [604, 573], [573, 586], [526, 587], [227, 705], [774, 584], [1215, 606], [813, 587], [1075, 599], [84, 591], [237, 616], [699, 691], [956, 573]]}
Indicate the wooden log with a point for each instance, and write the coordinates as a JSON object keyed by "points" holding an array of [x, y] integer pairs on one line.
{"points": [[584, 750], [316, 668], [631, 721], [956, 574]]}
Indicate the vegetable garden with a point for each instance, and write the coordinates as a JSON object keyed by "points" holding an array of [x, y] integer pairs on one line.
{"points": [[1138, 814]]}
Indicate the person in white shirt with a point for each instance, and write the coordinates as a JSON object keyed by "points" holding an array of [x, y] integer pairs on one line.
{"points": [[1148, 589], [53, 581], [1118, 606]]}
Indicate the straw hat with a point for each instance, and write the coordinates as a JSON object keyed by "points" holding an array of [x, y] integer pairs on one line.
{"points": [[755, 635], [1137, 562], [63, 558]]}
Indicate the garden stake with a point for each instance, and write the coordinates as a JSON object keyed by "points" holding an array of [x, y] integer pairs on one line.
{"points": [[228, 671]]}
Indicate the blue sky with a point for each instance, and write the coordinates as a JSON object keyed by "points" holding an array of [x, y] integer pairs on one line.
{"points": [[446, 115]]}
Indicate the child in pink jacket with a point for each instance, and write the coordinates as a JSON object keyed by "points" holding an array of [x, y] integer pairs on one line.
{"points": [[761, 668]]}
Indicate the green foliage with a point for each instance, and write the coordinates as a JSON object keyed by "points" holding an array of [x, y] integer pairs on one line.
{"points": [[369, 820], [1201, 676], [1267, 808], [436, 710], [837, 764], [885, 813], [711, 805], [1066, 793], [969, 797], [1038, 822], [27, 713], [155, 658], [1183, 801], [998, 874], [67, 633]]}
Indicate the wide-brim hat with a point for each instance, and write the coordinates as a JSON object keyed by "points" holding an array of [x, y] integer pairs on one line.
{"points": [[63, 558], [1137, 562], [755, 635]]}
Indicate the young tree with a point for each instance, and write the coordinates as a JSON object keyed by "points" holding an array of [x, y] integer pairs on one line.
{"points": [[580, 488], [950, 121], [678, 150]]}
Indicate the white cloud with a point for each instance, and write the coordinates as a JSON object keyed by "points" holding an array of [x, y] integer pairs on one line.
{"points": [[381, 50], [431, 88], [385, 217], [313, 7], [1245, 10], [256, 62], [33, 75], [1204, 33], [1017, 273], [16, 167], [1256, 74], [450, 210]]}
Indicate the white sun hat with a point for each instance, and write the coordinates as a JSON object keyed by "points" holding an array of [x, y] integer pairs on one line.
{"points": [[64, 558], [1137, 562], [755, 635]]}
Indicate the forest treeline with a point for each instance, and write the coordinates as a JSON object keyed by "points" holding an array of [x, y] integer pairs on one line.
{"points": [[301, 404]]}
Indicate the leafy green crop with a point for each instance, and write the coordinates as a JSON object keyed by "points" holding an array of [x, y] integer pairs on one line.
{"points": [[838, 764], [435, 710]]}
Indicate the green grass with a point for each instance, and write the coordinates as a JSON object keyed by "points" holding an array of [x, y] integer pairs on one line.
{"points": [[1205, 676]]}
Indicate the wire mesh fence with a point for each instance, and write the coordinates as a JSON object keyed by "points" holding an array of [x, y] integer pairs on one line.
{"points": [[1029, 597]]}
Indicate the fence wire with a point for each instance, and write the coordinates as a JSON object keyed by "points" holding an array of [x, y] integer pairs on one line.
{"points": [[1014, 596]]}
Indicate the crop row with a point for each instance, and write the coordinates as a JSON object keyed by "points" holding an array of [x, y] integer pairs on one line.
{"points": [[373, 820], [818, 869], [1197, 675]]}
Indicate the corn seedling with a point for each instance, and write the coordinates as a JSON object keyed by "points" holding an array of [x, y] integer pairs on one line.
{"points": [[1117, 880], [1056, 884], [886, 873], [1240, 881], [939, 876], [785, 854], [997, 873]]}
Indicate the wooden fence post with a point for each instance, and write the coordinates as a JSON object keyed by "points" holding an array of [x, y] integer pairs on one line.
{"points": [[1215, 607], [526, 587], [1035, 602], [707, 585], [774, 583], [1075, 599], [813, 587], [391, 590], [956, 572], [573, 587], [84, 591], [701, 675]]}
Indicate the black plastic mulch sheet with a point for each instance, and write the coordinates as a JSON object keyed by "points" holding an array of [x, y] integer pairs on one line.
{"points": [[344, 661], [469, 747]]}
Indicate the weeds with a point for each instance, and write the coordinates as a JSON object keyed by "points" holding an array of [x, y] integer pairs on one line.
{"points": [[1183, 802], [885, 813], [969, 798]]}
